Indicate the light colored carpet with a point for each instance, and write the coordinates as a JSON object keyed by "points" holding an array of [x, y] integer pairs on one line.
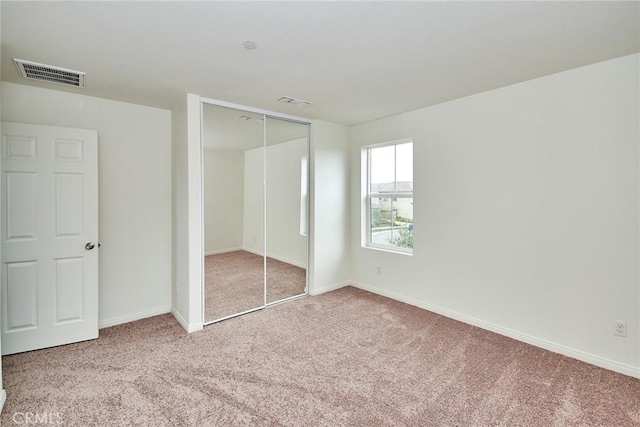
{"points": [[234, 282], [345, 358]]}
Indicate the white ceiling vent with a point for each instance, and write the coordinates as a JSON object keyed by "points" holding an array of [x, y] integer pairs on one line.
{"points": [[48, 73], [249, 118], [293, 101]]}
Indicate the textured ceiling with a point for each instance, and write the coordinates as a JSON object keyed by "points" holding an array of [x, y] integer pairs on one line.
{"points": [[356, 61]]}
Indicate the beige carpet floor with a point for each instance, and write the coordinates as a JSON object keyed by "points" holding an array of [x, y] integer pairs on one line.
{"points": [[345, 358], [234, 282]]}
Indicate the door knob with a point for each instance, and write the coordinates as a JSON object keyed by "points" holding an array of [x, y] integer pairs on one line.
{"points": [[89, 246]]}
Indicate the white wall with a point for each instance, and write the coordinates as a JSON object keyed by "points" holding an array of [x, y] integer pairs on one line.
{"points": [[186, 285], [223, 200], [253, 217], [526, 211], [180, 219], [283, 184], [134, 145], [330, 207], [284, 241]]}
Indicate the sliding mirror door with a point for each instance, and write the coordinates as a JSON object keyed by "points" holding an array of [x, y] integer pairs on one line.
{"points": [[286, 208], [233, 200]]}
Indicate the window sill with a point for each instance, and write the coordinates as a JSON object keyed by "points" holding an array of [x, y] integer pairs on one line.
{"points": [[391, 251]]}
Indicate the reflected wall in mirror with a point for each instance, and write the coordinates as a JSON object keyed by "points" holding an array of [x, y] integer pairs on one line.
{"points": [[286, 208], [233, 175]]}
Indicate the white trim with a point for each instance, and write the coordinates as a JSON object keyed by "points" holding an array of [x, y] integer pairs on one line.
{"points": [[264, 210], [253, 251], [223, 251], [187, 327], [133, 317], [231, 316], [287, 261], [195, 235], [387, 250], [329, 288], [203, 277], [389, 143], [254, 110], [276, 257], [285, 300], [3, 399], [592, 359]]}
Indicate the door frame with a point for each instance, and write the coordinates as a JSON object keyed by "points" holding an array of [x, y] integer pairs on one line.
{"points": [[310, 186]]}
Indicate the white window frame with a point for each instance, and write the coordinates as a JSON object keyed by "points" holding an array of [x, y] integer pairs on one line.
{"points": [[368, 195]]}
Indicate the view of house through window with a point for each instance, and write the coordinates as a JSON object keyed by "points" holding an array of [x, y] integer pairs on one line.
{"points": [[390, 196]]}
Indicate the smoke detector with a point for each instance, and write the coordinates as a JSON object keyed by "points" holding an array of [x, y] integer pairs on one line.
{"points": [[249, 45], [294, 101], [48, 73]]}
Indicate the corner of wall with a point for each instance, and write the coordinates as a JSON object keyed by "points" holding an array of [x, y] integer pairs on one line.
{"points": [[330, 206], [484, 255], [186, 295], [194, 203], [193, 327], [328, 288], [178, 201]]}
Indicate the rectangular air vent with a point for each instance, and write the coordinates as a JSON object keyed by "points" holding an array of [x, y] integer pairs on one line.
{"points": [[293, 101], [48, 73]]}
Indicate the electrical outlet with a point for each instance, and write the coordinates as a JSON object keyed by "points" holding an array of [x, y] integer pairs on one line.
{"points": [[378, 270], [620, 328]]}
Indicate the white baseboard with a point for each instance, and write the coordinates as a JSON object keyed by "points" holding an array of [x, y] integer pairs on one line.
{"points": [[287, 261], [253, 251], [276, 257], [133, 317], [3, 399], [187, 327], [222, 251], [329, 288], [519, 336]]}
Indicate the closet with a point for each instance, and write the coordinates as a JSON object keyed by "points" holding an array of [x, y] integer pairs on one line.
{"points": [[255, 209]]}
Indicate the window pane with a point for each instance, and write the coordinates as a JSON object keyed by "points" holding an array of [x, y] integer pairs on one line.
{"points": [[391, 222], [380, 221], [382, 169], [401, 234], [404, 168]]}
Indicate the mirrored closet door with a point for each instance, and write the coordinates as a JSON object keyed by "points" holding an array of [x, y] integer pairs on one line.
{"points": [[286, 208], [255, 201]]}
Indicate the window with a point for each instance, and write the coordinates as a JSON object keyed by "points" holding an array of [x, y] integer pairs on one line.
{"points": [[389, 196]]}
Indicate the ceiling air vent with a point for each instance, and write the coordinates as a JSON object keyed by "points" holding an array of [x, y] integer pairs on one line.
{"points": [[293, 101], [49, 73], [249, 118]]}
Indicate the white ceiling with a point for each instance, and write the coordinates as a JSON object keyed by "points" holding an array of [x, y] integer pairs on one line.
{"points": [[356, 61]]}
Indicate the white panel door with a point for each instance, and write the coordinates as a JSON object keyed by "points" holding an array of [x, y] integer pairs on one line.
{"points": [[49, 236]]}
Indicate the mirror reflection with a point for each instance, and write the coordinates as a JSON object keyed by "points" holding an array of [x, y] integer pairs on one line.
{"points": [[286, 208], [255, 184], [233, 148]]}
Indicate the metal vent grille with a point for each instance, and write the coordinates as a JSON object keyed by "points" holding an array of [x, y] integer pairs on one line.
{"points": [[48, 73], [294, 101]]}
